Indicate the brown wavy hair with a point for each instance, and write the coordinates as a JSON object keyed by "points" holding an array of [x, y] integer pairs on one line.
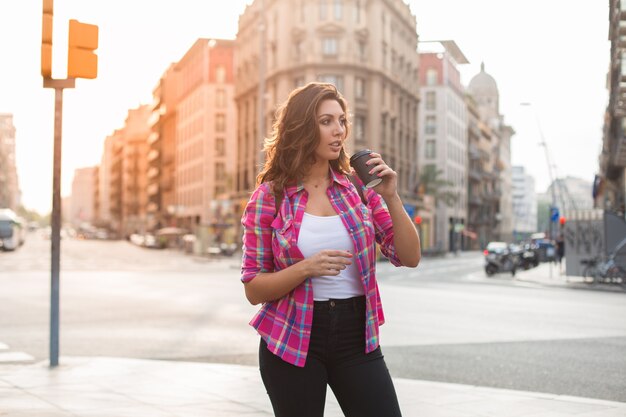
{"points": [[290, 151]]}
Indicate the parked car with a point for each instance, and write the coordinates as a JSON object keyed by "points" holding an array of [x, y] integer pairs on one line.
{"points": [[546, 250]]}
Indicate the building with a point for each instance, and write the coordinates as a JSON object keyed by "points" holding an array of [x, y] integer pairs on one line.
{"points": [[9, 187], [571, 193], [368, 50], [134, 171], [126, 152], [102, 194], [161, 190], [484, 90], [205, 142], [483, 181], [443, 138], [82, 204], [611, 190], [524, 204]]}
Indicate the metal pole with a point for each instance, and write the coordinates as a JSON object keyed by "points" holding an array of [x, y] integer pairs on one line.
{"points": [[55, 237], [56, 229], [552, 184]]}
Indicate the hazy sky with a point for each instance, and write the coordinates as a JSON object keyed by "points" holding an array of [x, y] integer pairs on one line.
{"points": [[553, 53]]}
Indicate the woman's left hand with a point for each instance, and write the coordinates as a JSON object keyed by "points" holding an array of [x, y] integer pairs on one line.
{"points": [[389, 187]]}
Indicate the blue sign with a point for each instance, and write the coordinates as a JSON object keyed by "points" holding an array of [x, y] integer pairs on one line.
{"points": [[410, 210], [554, 214]]}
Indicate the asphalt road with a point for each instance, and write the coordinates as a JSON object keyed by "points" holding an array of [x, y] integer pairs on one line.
{"points": [[445, 320]]}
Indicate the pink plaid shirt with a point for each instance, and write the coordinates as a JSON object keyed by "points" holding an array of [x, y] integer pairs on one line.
{"points": [[270, 244]]}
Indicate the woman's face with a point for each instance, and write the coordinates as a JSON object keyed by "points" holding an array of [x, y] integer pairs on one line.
{"points": [[331, 121]]}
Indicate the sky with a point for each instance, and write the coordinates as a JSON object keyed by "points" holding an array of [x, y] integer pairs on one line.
{"points": [[553, 54]]}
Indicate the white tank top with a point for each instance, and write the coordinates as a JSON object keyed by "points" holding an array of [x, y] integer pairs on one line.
{"points": [[328, 232]]}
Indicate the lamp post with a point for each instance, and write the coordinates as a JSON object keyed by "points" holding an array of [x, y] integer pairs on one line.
{"points": [[552, 184]]}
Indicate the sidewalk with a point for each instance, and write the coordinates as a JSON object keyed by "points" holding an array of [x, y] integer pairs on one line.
{"points": [[548, 274], [119, 387]]}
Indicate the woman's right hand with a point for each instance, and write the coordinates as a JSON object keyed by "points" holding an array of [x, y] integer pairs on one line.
{"points": [[327, 262]]}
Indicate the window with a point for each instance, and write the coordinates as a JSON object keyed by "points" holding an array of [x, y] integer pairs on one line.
{"points": [[430, 149], [431, 77], [220, 98], [338, 9], [329, 46], [297, 50], [323, 9], [298, 82], [431, 124], [362, 51], [359, 87], [359, 130], [220, 123], [220, 74], [335, 80], [384, 56], [383, 129], [220, 171], [431, 104], [220, 150]]}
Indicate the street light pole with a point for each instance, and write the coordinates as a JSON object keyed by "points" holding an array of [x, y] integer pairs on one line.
{"points": [[552, 184]]}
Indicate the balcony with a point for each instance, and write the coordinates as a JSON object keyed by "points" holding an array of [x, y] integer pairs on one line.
{"points": [[152, 189], [474, 152], [153, 172], [475, 200], [153, 154], [153, 137], [475, 174]]}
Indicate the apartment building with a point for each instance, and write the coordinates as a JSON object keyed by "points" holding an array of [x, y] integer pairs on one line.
{"points": [[81, 210], [443, 138], [484, 90], [9, 187], [205, 141], [368, 50], [162, 208], [610, 191], [102, 194], [127, 151], [525, 204], [483, 181]]}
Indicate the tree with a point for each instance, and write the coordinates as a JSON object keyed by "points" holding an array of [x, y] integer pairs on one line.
{"points": [[431, 183]]}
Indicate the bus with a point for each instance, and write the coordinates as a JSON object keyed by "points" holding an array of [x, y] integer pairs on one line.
{"points": [[12, 230]]}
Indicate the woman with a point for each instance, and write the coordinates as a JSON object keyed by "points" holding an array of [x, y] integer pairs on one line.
{"points": [[309, 256]]}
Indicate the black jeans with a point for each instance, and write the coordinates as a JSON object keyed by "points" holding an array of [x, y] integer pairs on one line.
{"points": [[361, 382]]}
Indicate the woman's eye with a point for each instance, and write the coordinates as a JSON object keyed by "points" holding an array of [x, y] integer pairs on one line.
{"points": [[343, 122]]}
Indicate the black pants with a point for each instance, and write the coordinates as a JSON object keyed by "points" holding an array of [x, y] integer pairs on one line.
{"points": [[361, 382]]}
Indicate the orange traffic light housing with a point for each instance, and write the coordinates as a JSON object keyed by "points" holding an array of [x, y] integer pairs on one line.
{"points": [[82, 62], [46, 39]]}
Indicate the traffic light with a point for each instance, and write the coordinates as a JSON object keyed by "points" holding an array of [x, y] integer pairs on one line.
{"points": [[418, 219], [562, 220], [46, 39], [82, 62]]}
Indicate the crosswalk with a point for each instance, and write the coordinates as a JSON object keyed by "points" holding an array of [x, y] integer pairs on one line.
{"points": [[7, 356]]}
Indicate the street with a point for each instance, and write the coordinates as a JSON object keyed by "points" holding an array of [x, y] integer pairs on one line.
{"points": [[445, 320]]}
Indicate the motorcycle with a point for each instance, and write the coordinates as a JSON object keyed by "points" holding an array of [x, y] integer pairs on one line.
{"points": [[500, 258]]}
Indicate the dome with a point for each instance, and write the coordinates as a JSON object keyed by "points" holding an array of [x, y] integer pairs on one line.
{"points": [[483, 84]]}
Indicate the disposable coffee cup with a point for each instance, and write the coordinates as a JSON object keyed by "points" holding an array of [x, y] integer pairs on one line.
{"points": [[358, 162]]}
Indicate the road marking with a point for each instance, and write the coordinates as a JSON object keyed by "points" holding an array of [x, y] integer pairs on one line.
{"points": [[15, 357]]}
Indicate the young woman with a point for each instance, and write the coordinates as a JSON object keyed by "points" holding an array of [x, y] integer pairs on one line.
{"points": [[309, 257]]}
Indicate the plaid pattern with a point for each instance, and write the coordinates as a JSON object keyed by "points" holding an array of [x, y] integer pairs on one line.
{"points": [[270, 244]]}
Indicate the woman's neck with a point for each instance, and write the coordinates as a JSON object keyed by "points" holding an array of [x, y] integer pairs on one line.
{"points": [[318, 172]]}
